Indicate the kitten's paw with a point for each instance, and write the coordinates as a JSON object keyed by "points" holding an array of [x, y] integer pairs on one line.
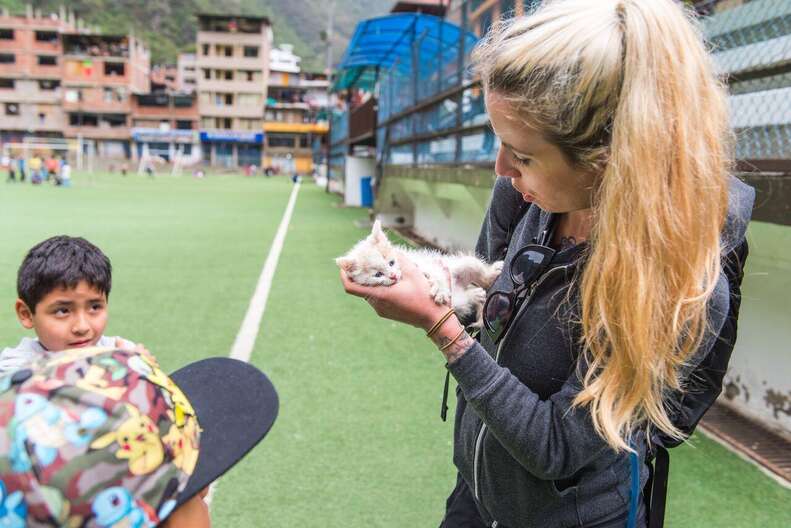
{"points": [[441, 297], [437, 292], [494, 271]]}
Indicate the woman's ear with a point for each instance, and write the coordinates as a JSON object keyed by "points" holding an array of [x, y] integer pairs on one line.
{"points": [[24, 314]]}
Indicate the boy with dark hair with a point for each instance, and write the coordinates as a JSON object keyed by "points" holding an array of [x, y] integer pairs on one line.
{"points": [[104, 438], [63, 286]]}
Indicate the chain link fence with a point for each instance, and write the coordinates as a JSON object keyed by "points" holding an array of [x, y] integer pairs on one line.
{"points": [[751, 44]]}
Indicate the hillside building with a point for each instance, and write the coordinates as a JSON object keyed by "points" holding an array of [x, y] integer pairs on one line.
{"points": [[232, 66], [186, 78], [292, 123], [31, 68], [101, 73]]}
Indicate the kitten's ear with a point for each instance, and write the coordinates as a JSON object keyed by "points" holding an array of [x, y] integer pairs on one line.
{"points": [[345, 263], [377, 234]]}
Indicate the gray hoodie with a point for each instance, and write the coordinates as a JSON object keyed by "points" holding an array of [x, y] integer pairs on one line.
{"points": [[529, 458]]}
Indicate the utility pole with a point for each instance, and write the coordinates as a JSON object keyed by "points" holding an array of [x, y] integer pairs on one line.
{"points": [[329, 78], [329, 37]]}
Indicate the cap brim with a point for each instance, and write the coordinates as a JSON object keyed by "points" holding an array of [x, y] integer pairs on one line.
{"points": [[236, 406]]}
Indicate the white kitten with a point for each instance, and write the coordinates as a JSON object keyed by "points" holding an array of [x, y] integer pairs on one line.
{"points": [[372, 262]]}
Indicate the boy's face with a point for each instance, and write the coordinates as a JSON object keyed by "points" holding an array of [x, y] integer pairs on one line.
{"points": [[67, 317]]}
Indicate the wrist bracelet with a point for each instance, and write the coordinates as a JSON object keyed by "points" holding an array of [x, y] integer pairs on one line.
{"points": [[447, 345], [440, 322]]}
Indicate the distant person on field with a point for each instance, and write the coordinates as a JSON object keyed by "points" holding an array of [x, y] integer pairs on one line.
{"points": [[21, 167], [35, 169], [51, 166], [8, 163], [63, 285], [65, 174]]}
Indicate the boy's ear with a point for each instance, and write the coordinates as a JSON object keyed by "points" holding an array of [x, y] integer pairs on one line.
{"points": [[24, 314]]}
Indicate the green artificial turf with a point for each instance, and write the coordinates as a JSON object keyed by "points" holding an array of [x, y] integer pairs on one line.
{"points": [[358, 442]]}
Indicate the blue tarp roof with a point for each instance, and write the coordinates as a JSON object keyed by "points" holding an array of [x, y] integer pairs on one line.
{"points": [[378, 43]]}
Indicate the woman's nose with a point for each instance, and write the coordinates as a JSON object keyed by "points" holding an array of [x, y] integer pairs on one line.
{"points": [[503, 166]]}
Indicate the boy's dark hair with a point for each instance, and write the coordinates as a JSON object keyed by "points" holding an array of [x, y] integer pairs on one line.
{"points": [[62, 262]]}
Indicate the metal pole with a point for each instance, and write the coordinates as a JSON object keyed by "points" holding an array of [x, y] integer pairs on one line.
{"points": [[329, 78]]}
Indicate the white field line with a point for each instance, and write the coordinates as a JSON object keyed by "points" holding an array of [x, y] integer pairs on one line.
{"points": [[245, 339]]}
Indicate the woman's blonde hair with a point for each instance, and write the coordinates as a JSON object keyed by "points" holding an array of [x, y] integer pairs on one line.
{"points": [[627, 89]]}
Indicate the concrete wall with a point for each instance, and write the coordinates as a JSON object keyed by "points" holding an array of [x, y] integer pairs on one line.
{"points": [[443, 205], [758, 382]]}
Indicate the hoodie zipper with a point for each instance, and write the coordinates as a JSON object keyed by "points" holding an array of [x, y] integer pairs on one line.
{"points": [[479, 439]]}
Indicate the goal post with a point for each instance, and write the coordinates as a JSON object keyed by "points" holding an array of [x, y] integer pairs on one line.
{"points": [[79, 152]]}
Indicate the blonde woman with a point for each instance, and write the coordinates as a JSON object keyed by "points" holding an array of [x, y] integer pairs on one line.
{"points": [[614, 134]]}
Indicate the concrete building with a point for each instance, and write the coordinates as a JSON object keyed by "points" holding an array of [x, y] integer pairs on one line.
{"points": [[186, 78], [31, 68], [232, 69], [291, 121], [164, 78], [100, 75], [165, 124]]}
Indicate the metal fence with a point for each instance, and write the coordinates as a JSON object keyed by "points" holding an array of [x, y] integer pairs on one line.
{"points": [[751, 44]]}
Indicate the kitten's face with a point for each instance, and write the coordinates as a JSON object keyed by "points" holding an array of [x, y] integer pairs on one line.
{"points": [[372, 262]]}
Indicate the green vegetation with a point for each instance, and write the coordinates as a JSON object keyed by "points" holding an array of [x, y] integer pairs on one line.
{"points": [[168, 26], [358, 442]]}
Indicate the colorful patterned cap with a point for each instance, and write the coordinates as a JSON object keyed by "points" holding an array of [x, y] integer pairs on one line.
{"points": [[103, 438]]}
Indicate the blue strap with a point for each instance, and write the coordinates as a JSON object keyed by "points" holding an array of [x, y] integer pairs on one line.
{"points": [[634, 494]]}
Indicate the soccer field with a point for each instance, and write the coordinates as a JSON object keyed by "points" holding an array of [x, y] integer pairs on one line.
{"points": [[358, 442]]}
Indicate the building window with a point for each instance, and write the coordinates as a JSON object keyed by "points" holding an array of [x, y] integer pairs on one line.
{"points": [[108, 95], [304, 141], [73, 96], [77, 119], [228, 51], [279, 140], [6, 83], [6, 34], [250, 75], [205, 50], [183, 125], [114, 68], [7, 58], [249, 100], [48, 84], [114, 120], [42, 117], [47, 60], [228, 75], [251, 51], [46, 36], [12, 109], [226, 123], [207, 74]]}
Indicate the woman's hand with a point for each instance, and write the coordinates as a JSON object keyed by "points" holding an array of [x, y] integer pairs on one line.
{"points": [[407, 301]]}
